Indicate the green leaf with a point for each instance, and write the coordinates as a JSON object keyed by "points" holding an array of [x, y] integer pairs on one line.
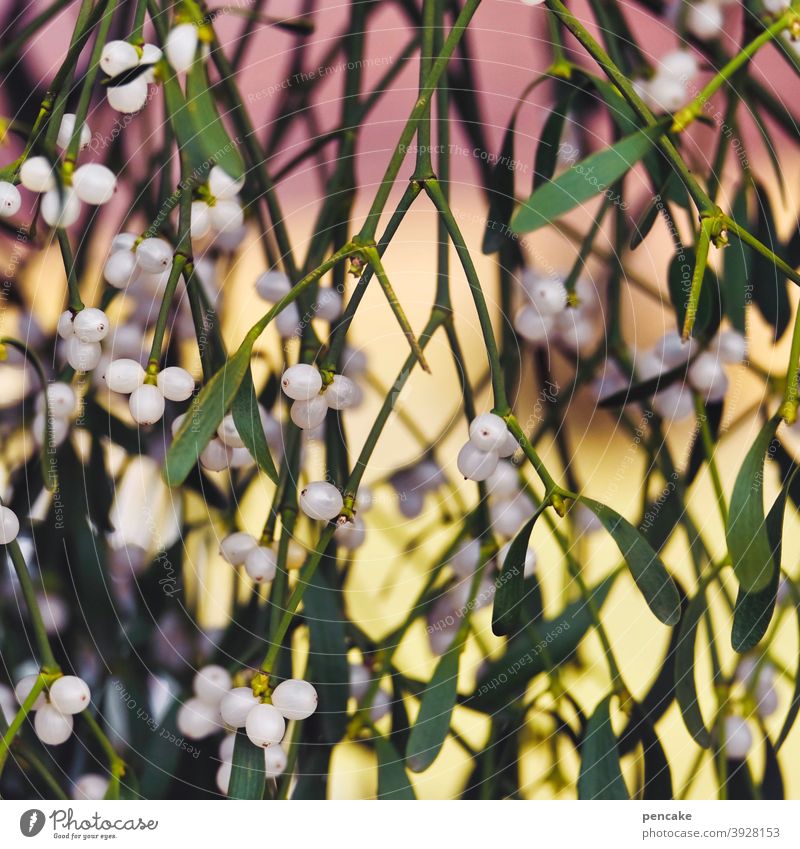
{"points": [[189, 140], [770, 287], [753, 611], [203, 417], [217, 145], [247, 418], [595, 174], [657, 774], [544, 165], [436, 707], [247, 773], [501, 189], [794, 707], [509, 596], [393, 782], [709, 309], [748, 541], [541, 646], [772, 780], [600, 775], [685, 686], [650, 574]]}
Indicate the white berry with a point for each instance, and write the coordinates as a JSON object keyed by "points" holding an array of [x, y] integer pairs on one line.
{"points": [[223, 776], [10, 199], [272, 286], [120, 269], [181, 46], [211, 683], [301, 382], [704, 20], [738, 737], [124, 375], [146, 404], [474, 464], [226, 216], [321, 500], [532, 326], [175, 383], [731, 347], [24, 687], [91, 325], [351, 534], [90, 787], [680, 64], [67, 127], [341, 393], [60, 210], [154, 255], [151, 55], [236, 705], [487, 432], [64, 328], [61, 400], [295, 698], [94, 183], [665, 93], [236, 546], [70, 694], [228, 433], [329, 304], [275, 760], [548, 295], [118, 56], [707, 376], [260, 565], [197, 719], [265, 725], [504, 480], [36, 174], [222, 185], [83, 356], [52, 727], [200, 219], [215, 456], [309, 414]]}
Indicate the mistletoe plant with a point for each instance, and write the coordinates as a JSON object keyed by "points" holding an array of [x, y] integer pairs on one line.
{"points": [[116, 684]]}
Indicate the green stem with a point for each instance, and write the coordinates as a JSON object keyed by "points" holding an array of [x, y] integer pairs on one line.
{"points": [[700, 263], [16, 723], [746, 237], [790, 397], [74, 302], [708, 447], [393, 169], [424, 166], [695, 107]]}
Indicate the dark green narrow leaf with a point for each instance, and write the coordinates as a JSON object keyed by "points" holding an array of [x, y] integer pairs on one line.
{"points": [[217, 145], [600, 775], [508, 612], [748, 542], [772, 780], [501, 189], [595, 174], [657, 774], [541, 646], [650, 574], [753, 611], [714, 411], [393, 782], [709, 308], [544, 165], [738, 781], [794, 707], [770, 287], [436, 707], [189, 140], [247, 774], [247, 418], [685, 686], [645, 389], [203, 417]]}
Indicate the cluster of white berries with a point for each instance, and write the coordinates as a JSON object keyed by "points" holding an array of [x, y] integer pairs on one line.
{"points": [[120, 56], [667, 90], [227, 449], [9, 525], [62, 403], [489, 440], [413, 483], [352, 533], [146, 401], [217, 704], [242, 549], [738, 737], [82, 333], [360, 680], [273, 285], [310, 403], [221, 212], [759, 681], [546, 313], [132, 260], [54, 710], [706, 374], [91, 183]]}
